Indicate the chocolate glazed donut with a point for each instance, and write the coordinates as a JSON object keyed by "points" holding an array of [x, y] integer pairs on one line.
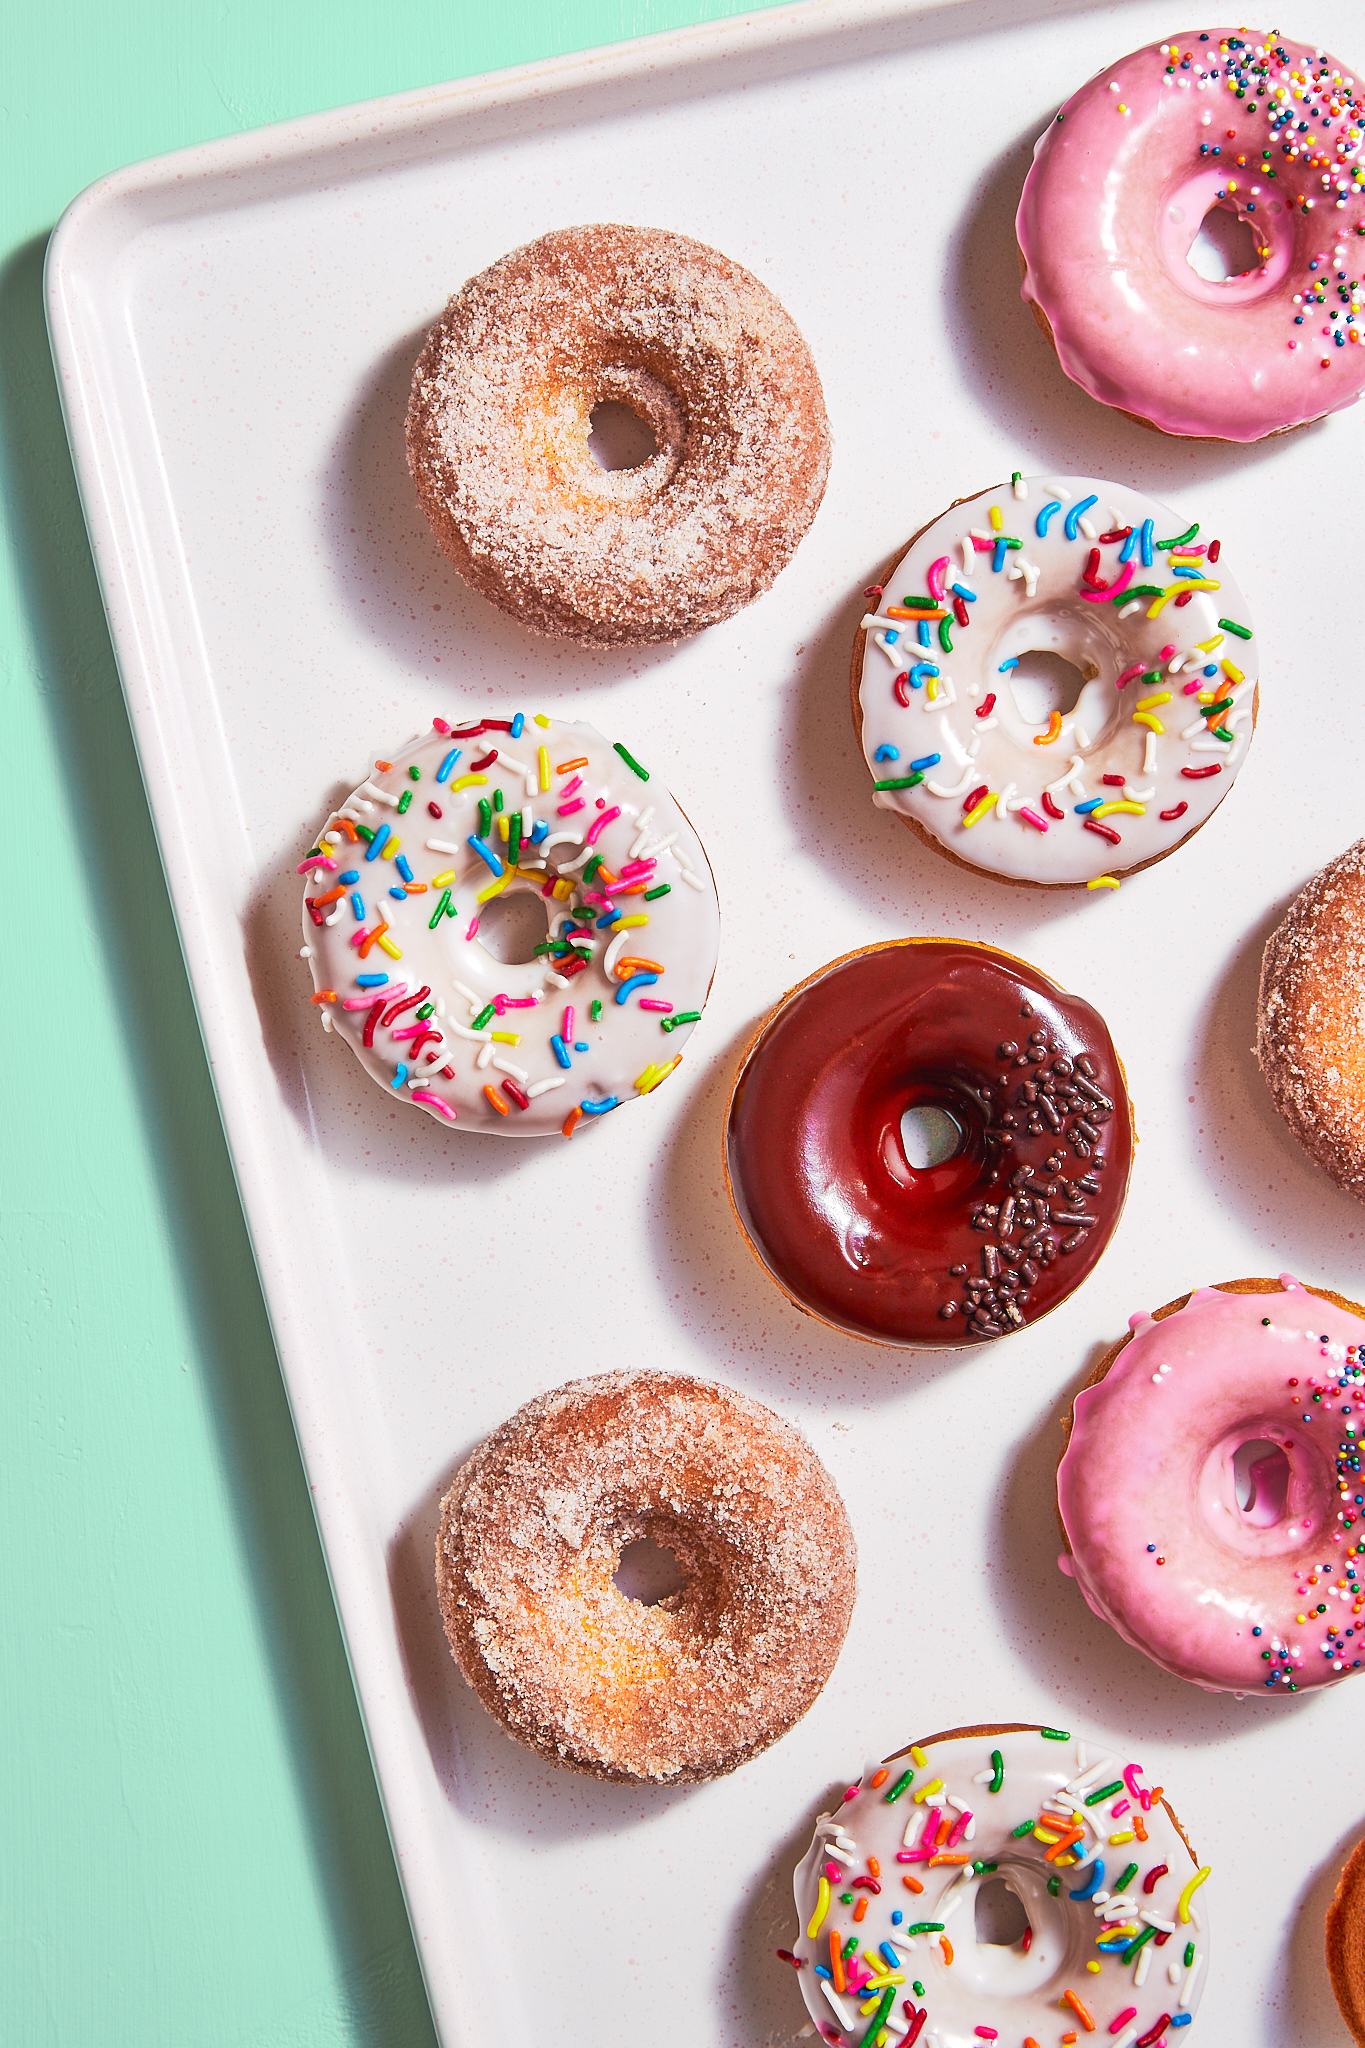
{"points": [[980, 1244]]}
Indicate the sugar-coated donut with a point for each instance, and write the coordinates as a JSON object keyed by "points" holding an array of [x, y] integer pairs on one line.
{"points": [[1267, 129], [400, 879], [695, 347], [1114, 583], [1308, 1034], [531, 1537], [1346, 1943], [1231, 1597], [1089, 1878], [980, 1244]]}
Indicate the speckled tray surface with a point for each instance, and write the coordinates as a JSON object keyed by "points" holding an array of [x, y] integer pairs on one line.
{"points": [[235, 328]]}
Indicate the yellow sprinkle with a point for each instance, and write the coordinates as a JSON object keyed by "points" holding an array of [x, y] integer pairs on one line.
{"points": [[1064, 1862], [1182, 1911], [466, 782], [543, 758], [441, 881], [1112, 1931], [1046, 1835], [1102, 882], [1148, 718], [391, 848], [978, 811], [1185, 583], [1093, 1965], [494, 888], [532, 875], [1159, 697], [541, 719], [1121, 804], [931, 690], [627, 924], [1122, 108], [821, 1908], [1232, 672], [504, 825], [917, 1756], [1207, 646], [927, 1791], [563, 890], [505, 1037], [394, 952], [653, 1074], [997, 519], [1126, 1836]]}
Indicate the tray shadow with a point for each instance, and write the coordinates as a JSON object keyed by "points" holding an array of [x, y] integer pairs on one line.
{"points": [[1310, 2012]]}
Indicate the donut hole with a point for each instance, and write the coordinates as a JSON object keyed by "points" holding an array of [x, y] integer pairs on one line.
{"points": [[1260, 1475], [930, 1134], [513, 925], [1225, 246], [648, 1573], [1001, 1916], [1044, 682], [618, 438]]}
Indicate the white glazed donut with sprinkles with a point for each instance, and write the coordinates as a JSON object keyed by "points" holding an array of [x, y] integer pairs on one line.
{"points": [[406, 869], [1136, 598]]}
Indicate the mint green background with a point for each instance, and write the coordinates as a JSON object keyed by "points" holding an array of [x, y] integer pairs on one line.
{"points": [[191, 1845]]}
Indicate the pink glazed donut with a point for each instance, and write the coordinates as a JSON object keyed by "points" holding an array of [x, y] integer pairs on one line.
{"points": [[1121, 181], [1210, 1492]]}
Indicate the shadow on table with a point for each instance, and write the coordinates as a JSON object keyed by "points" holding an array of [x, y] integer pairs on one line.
{"points": [[130, 914]]}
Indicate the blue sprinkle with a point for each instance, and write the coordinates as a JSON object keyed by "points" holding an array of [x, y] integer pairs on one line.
{"points": [[599, 1108], [1092, 804], [1076, 514], [351, 875], [370, 980], [540, 830], [896, 1919], [961, 590], [400, 1077], [358, 906], [610, 918], [1145, 539], [1045, 517], [1212, 669], [891, 636], [892, 1959], [401, 863], [919, 672], [887, 754], [636, 981], [1129, 548], [1180, 2019], [560, 1050], [379, 842], [443, 772], [518, 721], [1013, 662], [1176, 570], [400, 894], [926, 638], [998, 558], [925, 761], [1092, 1883], [1111, 1948], [580, 1045], [485, 853], [821, 1971]]}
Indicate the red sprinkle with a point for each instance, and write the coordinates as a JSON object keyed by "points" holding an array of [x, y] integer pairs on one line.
{"points": [[982, 789], [1112, 781], [1154, 2034], [485, 761], [985, 710], [1215, 550], [1198, 774], [1027, 1942], [1158, 1870], [902, 696], [1178, 812], [916, 2024], [1183, 599], [873, 590], [435, 810], [1118, 533], [960, 612], [1089, 574], [867, 1884], [405, 1003], [371, 1019], [1105, 832], [784, 1955], [1053, 809]]}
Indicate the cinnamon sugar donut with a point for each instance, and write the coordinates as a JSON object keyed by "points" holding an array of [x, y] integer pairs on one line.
{"points": [[1346, 1943], [1309, 1039], [531, 1537], [697, 348]]}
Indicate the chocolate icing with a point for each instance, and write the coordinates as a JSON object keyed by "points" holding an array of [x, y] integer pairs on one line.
{"points": [[973, 1247]]}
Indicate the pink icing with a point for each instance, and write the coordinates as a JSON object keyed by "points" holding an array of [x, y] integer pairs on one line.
{"points": [[1147, 1491], [1116, 195]]}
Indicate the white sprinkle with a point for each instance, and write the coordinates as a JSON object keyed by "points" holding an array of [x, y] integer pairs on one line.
{"points": [[507, 1066], [959, 789], [1082, 736], [463, 1031], [544, 1087], [1090, 532], [326, 1020], [1173, 1973], [568, 866], [693, 881], [355, 807], [475, 1002], [841, 2012], [558, 838], [305, 952], [1155, 1920], [968, 556], [1020, 488], [381, 796], [1059, 491], [657, 847], [1126, 611], [1074, 781], [1148, 758], [843, 1855], [511, 761], [1097, 1771], [486, 1052], [334, 916], [441, 846], [1144, 1964]]}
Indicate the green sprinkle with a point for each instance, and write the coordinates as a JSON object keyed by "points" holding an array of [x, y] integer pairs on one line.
{"points": [[945, 638], [591, 869], [1214, 710], [445, 908], [894, 1794], [851, 1943], [1129, 1874], [917, 1988], [427, 1010], [1016, 476], [1189, 1953], [900, 781], [879, 2017], [415, 774], [921, 604], [631, 761], [594, 1010], [404, 800], [1138, 1941], [514, 839], [1231, 626], [1054, 1885], [684, 1017], [1138, 590], [1025, 1827], [365, 831], [497, 800], [484, 1016], [998, 1766], [1055, 1734], [1151, 675], [485, 817], [1009, 540], [1105, 1792], [930, 1927], [846, 1899], [664, 889], [1180, 538], [1220, 732]]}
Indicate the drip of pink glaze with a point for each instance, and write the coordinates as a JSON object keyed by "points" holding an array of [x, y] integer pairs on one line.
{"points": [[1065, 1565]]}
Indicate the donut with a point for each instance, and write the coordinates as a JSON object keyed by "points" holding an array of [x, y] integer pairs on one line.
{"points": [[1346, 1943], [700, 352], [961, 746], [1261, 128], [1308, 1028], [531, 1537], [1082, 1894], [986, 1240], [1232, 1596], [613, 942]]}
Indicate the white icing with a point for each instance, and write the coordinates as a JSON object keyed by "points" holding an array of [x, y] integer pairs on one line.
{"points": [[1017, 1991], [1044, 609], [627, 1045]]}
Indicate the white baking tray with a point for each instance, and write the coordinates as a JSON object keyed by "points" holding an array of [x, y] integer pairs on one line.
{"points": [[234, 328]]}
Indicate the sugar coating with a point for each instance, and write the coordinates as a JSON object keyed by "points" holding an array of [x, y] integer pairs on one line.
{"points": [[497, 435], [531, 1534], [1310, 1037]]}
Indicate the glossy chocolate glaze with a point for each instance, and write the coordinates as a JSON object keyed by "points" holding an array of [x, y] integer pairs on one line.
{"points": [[980, 1244]]}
